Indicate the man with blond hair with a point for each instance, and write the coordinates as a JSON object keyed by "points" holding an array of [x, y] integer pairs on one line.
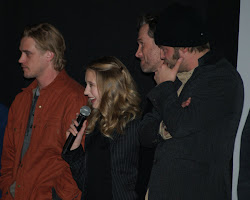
{"points": [[39, 116]]}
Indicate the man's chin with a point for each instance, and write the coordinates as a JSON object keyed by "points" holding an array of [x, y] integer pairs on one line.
{"points": [[170, 65], [28, 76], [146, 69]]}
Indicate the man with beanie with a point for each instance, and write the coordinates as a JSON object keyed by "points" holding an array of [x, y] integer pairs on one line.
{"points": [[198, 102]]}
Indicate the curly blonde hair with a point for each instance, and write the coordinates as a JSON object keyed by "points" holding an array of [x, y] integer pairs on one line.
{"points": [[120, 101]]}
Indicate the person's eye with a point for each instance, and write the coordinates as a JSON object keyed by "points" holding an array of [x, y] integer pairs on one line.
{"points": [[27, 53]]}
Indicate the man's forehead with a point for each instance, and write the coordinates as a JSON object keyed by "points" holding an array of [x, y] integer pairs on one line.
{"points": [[143, 33], [28, 42], [144, 28]]}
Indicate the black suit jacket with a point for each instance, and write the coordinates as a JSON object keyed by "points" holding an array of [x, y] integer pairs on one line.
{"points": [[108, 167], [195, 162]]}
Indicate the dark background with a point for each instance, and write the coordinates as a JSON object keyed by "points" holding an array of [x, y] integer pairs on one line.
{"points": [[101, 27]]}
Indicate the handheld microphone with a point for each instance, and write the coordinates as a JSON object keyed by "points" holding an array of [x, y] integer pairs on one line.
{"points": [[84, 113]]}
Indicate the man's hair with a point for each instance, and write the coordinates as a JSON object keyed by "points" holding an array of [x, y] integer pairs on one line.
{"points": [[149, 19], [200, 48], [120, 101], [48, 38]]}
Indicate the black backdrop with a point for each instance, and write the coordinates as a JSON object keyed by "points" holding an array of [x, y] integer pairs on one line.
{"points": [[100, 27]]}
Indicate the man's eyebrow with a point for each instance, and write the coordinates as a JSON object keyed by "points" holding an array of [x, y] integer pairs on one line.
{"points": [[25, 51]]}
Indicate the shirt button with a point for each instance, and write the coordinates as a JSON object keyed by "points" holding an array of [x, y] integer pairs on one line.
{"points": [[155, 161], [39, 106]]}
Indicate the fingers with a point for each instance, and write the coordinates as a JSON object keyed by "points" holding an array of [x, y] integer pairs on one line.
{"points": [[183, 105], [67, 133], [165, 73], [81, 132], [72, 128], [159, 76], [186, 103], [77, 114], [75, 122], [79, 137], [163, 67], [177, 65]]}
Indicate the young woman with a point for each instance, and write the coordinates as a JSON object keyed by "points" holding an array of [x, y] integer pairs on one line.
{"points": [[106, 168]]}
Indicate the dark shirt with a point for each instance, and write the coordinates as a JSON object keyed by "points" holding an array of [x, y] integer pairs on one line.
{"points": [[107, 169], [98, 169], [28, 132]]}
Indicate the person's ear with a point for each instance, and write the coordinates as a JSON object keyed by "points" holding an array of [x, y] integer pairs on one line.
{"points": [[183, 51], [49, 55], [162, 54]]}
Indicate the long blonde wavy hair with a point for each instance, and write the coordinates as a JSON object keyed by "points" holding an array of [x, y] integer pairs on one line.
{"points": [[120, 101]]}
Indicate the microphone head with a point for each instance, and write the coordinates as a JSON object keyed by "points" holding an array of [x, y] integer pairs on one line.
{"points": [[85, 110]]}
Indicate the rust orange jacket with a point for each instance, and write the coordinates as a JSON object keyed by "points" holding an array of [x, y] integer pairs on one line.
{"points": [[42, 167]]}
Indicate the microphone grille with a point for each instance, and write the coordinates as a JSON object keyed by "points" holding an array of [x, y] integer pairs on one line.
{"points": [[85, 110]]}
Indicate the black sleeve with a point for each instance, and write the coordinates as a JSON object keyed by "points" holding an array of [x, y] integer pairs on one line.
{"points": [[76, 161], [149, 128]]}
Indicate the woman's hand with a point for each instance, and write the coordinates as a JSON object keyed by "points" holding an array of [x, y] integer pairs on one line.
{"points": [[79, 135]]}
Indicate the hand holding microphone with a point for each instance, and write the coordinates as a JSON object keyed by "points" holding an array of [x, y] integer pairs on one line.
{"points": [[75, 132]]}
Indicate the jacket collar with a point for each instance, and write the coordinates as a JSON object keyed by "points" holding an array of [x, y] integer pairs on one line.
{"points": [[211, 57], [55, 84]]}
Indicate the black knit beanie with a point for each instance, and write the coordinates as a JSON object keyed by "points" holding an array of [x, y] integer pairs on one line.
{"points": [[180, 26]]}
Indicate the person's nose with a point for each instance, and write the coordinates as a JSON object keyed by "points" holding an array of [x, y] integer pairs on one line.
{"points": [[138, 53], [86, 91], [22, 58]]}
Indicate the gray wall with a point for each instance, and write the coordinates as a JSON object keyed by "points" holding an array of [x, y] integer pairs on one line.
{"points": [[244, 69]]}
